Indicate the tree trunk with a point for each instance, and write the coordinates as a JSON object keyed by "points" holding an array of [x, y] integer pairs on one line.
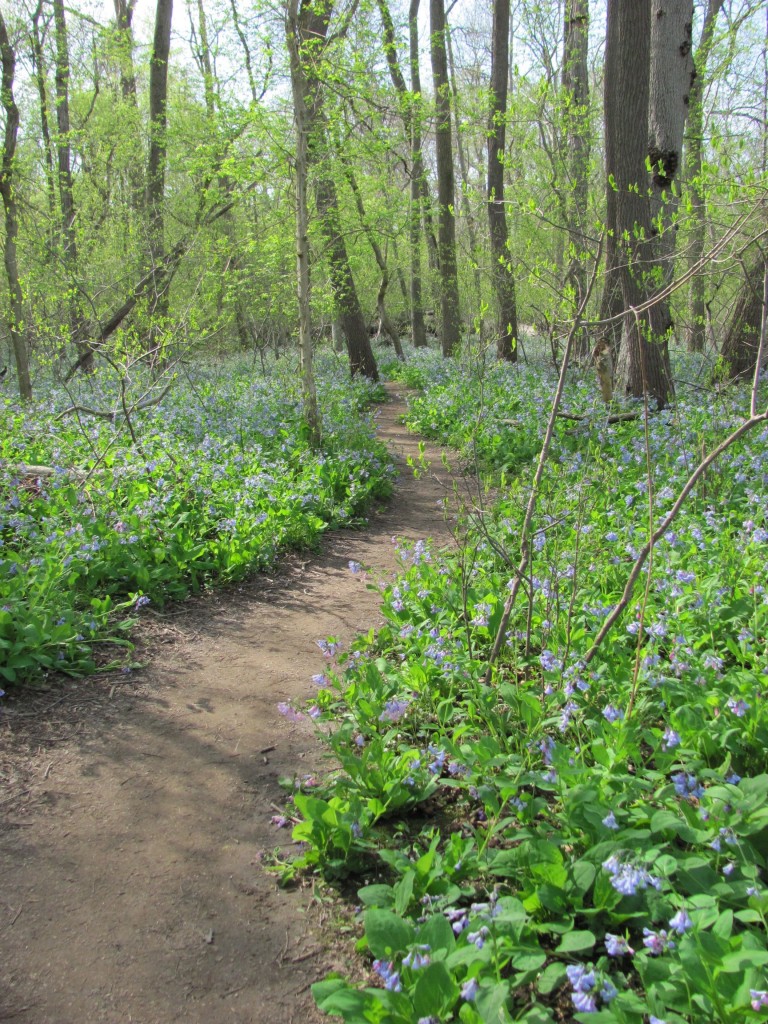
{"points": [[577, 142], [385, 324], [418, 330], [671, 76], [608, 340], [449, 280], [466, 206], [361, 358], [66, 191], [158, 149], [644, 358], [301, 121], [42, 92], [418, 172], [503, 278], [695, 333], [124, 20], [8, 192], [311, 30], [742, 338]]}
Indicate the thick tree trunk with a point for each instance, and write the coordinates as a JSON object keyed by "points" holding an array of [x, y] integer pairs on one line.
{"points": [[361, 359], [418, 171], [158, 149], [385, 324], [418, 330], [671, 77], [446, 192], [7, 190], [742, 338], [418, 325], [301, 122], [608, 340], [466, 206], [695, 333], [42, 92], [66, 191], [577, 142], [643, 359], [124, 20], [503, 278], [311, 33]]}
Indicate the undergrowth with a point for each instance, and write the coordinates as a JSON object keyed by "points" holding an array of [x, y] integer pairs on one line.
{"points": [[560, 841], [214, 482]]}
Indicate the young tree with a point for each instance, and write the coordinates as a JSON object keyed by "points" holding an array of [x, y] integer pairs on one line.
{"points": [[503, 278], [449, 281], [8, 192]]}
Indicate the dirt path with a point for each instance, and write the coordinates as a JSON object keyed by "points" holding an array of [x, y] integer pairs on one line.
{"points": [[133, 810]]}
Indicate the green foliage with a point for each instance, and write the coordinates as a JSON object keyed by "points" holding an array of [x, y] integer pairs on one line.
{"points": [[563, 839], [220, 482]]}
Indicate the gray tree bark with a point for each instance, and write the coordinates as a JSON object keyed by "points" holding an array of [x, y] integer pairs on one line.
{"points": [[671, 77], [418, 328], [70, 259], [577, 142], [301, 122], [158, 151], [503, 277], [446, 191], [643, 367], [8, 192], [695, 334]]}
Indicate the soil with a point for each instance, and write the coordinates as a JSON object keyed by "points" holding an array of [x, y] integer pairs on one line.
{"points": [[135, 810]]}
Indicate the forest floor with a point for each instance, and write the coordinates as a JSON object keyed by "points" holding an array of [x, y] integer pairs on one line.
{"points": [[136, 809]]}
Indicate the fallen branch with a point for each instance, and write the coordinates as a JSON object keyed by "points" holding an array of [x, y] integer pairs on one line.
{"points": [[615, 417]]}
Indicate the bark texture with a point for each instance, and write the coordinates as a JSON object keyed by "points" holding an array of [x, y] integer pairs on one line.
{"points": [[446, 189], [742, 338], [408, 103], [503, 278], [695, 334], [8, 192], [158, 151], [577, 142], [643, 367]]}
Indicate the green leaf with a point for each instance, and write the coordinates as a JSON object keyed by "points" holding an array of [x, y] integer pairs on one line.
{"points": [[551, 977], [387, 934], [576, 942], [436, 991]]}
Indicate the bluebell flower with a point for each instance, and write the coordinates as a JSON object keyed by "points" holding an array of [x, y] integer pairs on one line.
{"points": [[759, 998], [670, 739], [612, 714], [616, 945], [656, 942], [417, 958], [580, 978], [681, 922], [610, 821], [738, 707], [469, 990], [584, 1002], [394, 710]]}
